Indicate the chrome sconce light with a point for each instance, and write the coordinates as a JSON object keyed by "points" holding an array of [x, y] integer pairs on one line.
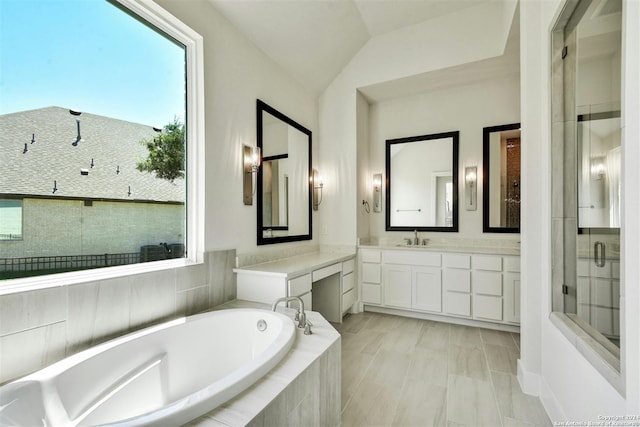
{"points": [[377, 192], [471, 187], [317, 183], [251, 164]]}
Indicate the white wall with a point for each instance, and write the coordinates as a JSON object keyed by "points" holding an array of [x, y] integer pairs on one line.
{"points": [[550, 365], [464, 108], [471, 35], [236, 73]]}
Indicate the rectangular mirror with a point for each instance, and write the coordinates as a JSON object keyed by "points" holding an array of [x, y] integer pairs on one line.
{"points": [[422, 183], [501, 179], [283, 184]]}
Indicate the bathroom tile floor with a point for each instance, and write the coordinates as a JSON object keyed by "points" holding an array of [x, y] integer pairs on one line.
{"points": [[399, 371]]}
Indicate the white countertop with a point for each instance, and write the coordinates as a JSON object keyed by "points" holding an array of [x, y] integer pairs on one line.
{"points": [[296, 266], [441, 248]]}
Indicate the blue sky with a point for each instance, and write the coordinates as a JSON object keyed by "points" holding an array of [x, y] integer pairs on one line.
{"points": [[90, 56]]}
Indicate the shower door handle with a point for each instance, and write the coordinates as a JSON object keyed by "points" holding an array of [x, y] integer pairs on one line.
{"points": [[599, 254]]}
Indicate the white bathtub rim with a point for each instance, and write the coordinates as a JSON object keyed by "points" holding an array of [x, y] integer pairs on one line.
{"points": [[200, 401]]}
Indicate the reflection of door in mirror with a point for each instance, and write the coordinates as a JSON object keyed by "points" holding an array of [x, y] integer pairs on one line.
{"points": [[422, 183], [599, 163], [275, 193], [501, 179]]}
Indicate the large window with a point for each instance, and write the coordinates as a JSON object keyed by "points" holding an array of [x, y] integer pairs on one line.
{"points": [[100, 129]]}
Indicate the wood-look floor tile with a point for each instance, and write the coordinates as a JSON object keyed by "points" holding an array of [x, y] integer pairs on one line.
{"points": [[429, 366], [515, 404], [505, 339], [421, 404], [502, 359], [373, 405], [434, 336], [471, 402], [404, 336], [465, 336], [388, 368], [354, 367], [381, 322], [469, 362]]}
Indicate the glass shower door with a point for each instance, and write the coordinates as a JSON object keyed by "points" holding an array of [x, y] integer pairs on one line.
{"points": [[598, 239]]}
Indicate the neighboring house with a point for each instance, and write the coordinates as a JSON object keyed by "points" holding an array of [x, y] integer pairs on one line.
{"points": [[69, 186]]}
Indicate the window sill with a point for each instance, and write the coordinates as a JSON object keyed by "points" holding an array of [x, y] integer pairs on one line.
{"points": [[27, 284], [601, 356]]}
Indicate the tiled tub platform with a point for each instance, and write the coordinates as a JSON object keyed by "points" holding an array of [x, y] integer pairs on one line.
{"points": [[304, 389]]}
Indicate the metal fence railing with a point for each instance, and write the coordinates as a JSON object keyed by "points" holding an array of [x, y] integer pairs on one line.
{"points": [[31, 266]]}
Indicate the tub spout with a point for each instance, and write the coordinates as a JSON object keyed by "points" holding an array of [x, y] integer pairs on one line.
{"points": [[301, 317]]}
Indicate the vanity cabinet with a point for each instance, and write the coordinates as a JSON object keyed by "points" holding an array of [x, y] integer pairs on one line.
{"points": [[483, 287], [325, 282], [456, 279], [371, 275], [412, 281]]}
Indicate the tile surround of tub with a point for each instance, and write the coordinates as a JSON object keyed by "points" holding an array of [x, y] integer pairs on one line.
{"points": [[40, 327], [304, 389]]}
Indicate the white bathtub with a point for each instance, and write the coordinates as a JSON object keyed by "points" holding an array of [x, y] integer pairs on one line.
{"points": [[167, 374]]}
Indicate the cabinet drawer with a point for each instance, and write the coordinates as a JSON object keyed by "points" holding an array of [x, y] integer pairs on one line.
{"points": [[512, 264], [348, 266], [348, 282], [487, 307], [321, 273], [300, 285], [487, 262], [429, 259], [457, 303], [456, 280], [371, 273], [369, 255], [487, 283], [371, 294], [456, 261], [348, 299]]}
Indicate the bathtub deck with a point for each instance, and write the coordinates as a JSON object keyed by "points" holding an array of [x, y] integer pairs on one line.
{"points": [[304, 389]]}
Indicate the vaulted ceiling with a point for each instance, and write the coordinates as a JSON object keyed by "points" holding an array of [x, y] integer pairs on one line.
{"points": [[313, 40]]}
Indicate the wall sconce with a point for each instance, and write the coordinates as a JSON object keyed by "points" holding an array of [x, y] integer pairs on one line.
{"points": [[251, 164], [377, 192], [317, 182], [471, 187], [598, 168]]}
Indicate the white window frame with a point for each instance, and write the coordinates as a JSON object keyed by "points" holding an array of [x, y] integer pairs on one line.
{"points": [[193, 42]]}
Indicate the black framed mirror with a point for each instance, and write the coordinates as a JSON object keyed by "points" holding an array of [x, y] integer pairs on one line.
{"points": [[422, 183], [501, 179], [283, 184]]}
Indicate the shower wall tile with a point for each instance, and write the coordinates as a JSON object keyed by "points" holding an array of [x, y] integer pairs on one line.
{"points": [[25, 352], [27, 310], [98, 311]]}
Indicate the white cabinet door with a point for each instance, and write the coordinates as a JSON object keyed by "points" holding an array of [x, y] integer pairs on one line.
{"points": [[487, 307], [427, 289], [397, 285], [457, 303], [370, 272], [512, 297], [371, 293]]}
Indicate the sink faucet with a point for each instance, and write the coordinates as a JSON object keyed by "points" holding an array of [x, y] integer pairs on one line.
{"points": [[416, 240], [301, 317]]}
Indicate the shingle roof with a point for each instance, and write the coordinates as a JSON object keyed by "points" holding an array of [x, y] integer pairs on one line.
{"points": [[112, 144]]}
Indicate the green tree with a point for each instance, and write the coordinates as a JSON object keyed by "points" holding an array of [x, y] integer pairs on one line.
{"points": [[166, 153]]}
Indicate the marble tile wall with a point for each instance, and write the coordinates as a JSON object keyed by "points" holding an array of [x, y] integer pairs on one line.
{"points": [[40, 327]]}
